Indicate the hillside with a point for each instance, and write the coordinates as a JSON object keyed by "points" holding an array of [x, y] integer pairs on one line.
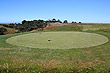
{"points": [[9, 30], [75, 27]]}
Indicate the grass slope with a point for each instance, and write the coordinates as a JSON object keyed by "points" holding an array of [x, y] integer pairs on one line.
{"points": [[64, 28], [78, 27], [9, 30], [95, 26]]}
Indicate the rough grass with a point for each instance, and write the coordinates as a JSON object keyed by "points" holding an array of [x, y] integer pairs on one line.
{"points": [[58, 40], [95, 26], [69, 28], [78, 27], [65, 28], [28, 60]]}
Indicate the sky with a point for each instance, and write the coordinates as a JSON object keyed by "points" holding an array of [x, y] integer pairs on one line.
{"points": [[85, 11]]}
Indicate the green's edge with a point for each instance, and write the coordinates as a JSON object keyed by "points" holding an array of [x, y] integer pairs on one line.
{"points": [[4, 44]]}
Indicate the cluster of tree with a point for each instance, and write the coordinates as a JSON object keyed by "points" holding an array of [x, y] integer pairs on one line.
{"points": [[35, 24], [65, 21], [12, 25], [54, 20], [31, 25], [75, 22], [27, 26]]}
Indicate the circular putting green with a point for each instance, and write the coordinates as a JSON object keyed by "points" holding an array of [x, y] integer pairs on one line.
{"points": [[58, 40]]}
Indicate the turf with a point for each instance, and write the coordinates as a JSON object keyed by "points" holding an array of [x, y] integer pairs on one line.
{"points": [[58, 40]]}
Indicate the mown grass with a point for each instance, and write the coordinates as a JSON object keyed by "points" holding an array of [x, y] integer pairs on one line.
{"points": [[58, 40], [27, 60]]}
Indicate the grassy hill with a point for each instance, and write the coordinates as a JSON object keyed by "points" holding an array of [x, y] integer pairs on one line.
{"points": [[78, 26], [63, 28]]}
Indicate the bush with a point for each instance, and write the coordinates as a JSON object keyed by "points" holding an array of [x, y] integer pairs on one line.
{"points": [[10, 31], [2, 30], [79, 22]]}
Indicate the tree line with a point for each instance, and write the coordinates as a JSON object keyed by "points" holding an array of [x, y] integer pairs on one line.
{"points": [[31, 25], [27, 26]]}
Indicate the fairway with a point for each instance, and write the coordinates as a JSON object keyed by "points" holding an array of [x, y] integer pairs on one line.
{"points": [[58, 40]]}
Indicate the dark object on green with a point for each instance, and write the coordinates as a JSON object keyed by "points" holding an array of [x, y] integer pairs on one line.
{"points": [[49, 40]]}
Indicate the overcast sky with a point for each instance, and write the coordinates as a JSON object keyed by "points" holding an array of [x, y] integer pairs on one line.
{"points": [[86, 11]]}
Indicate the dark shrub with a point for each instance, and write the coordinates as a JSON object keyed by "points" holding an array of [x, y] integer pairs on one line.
{"points": [[2, 30], [79, 22]]}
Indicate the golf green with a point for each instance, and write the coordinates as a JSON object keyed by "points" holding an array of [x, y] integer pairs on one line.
{"points": [[58, 40]]}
